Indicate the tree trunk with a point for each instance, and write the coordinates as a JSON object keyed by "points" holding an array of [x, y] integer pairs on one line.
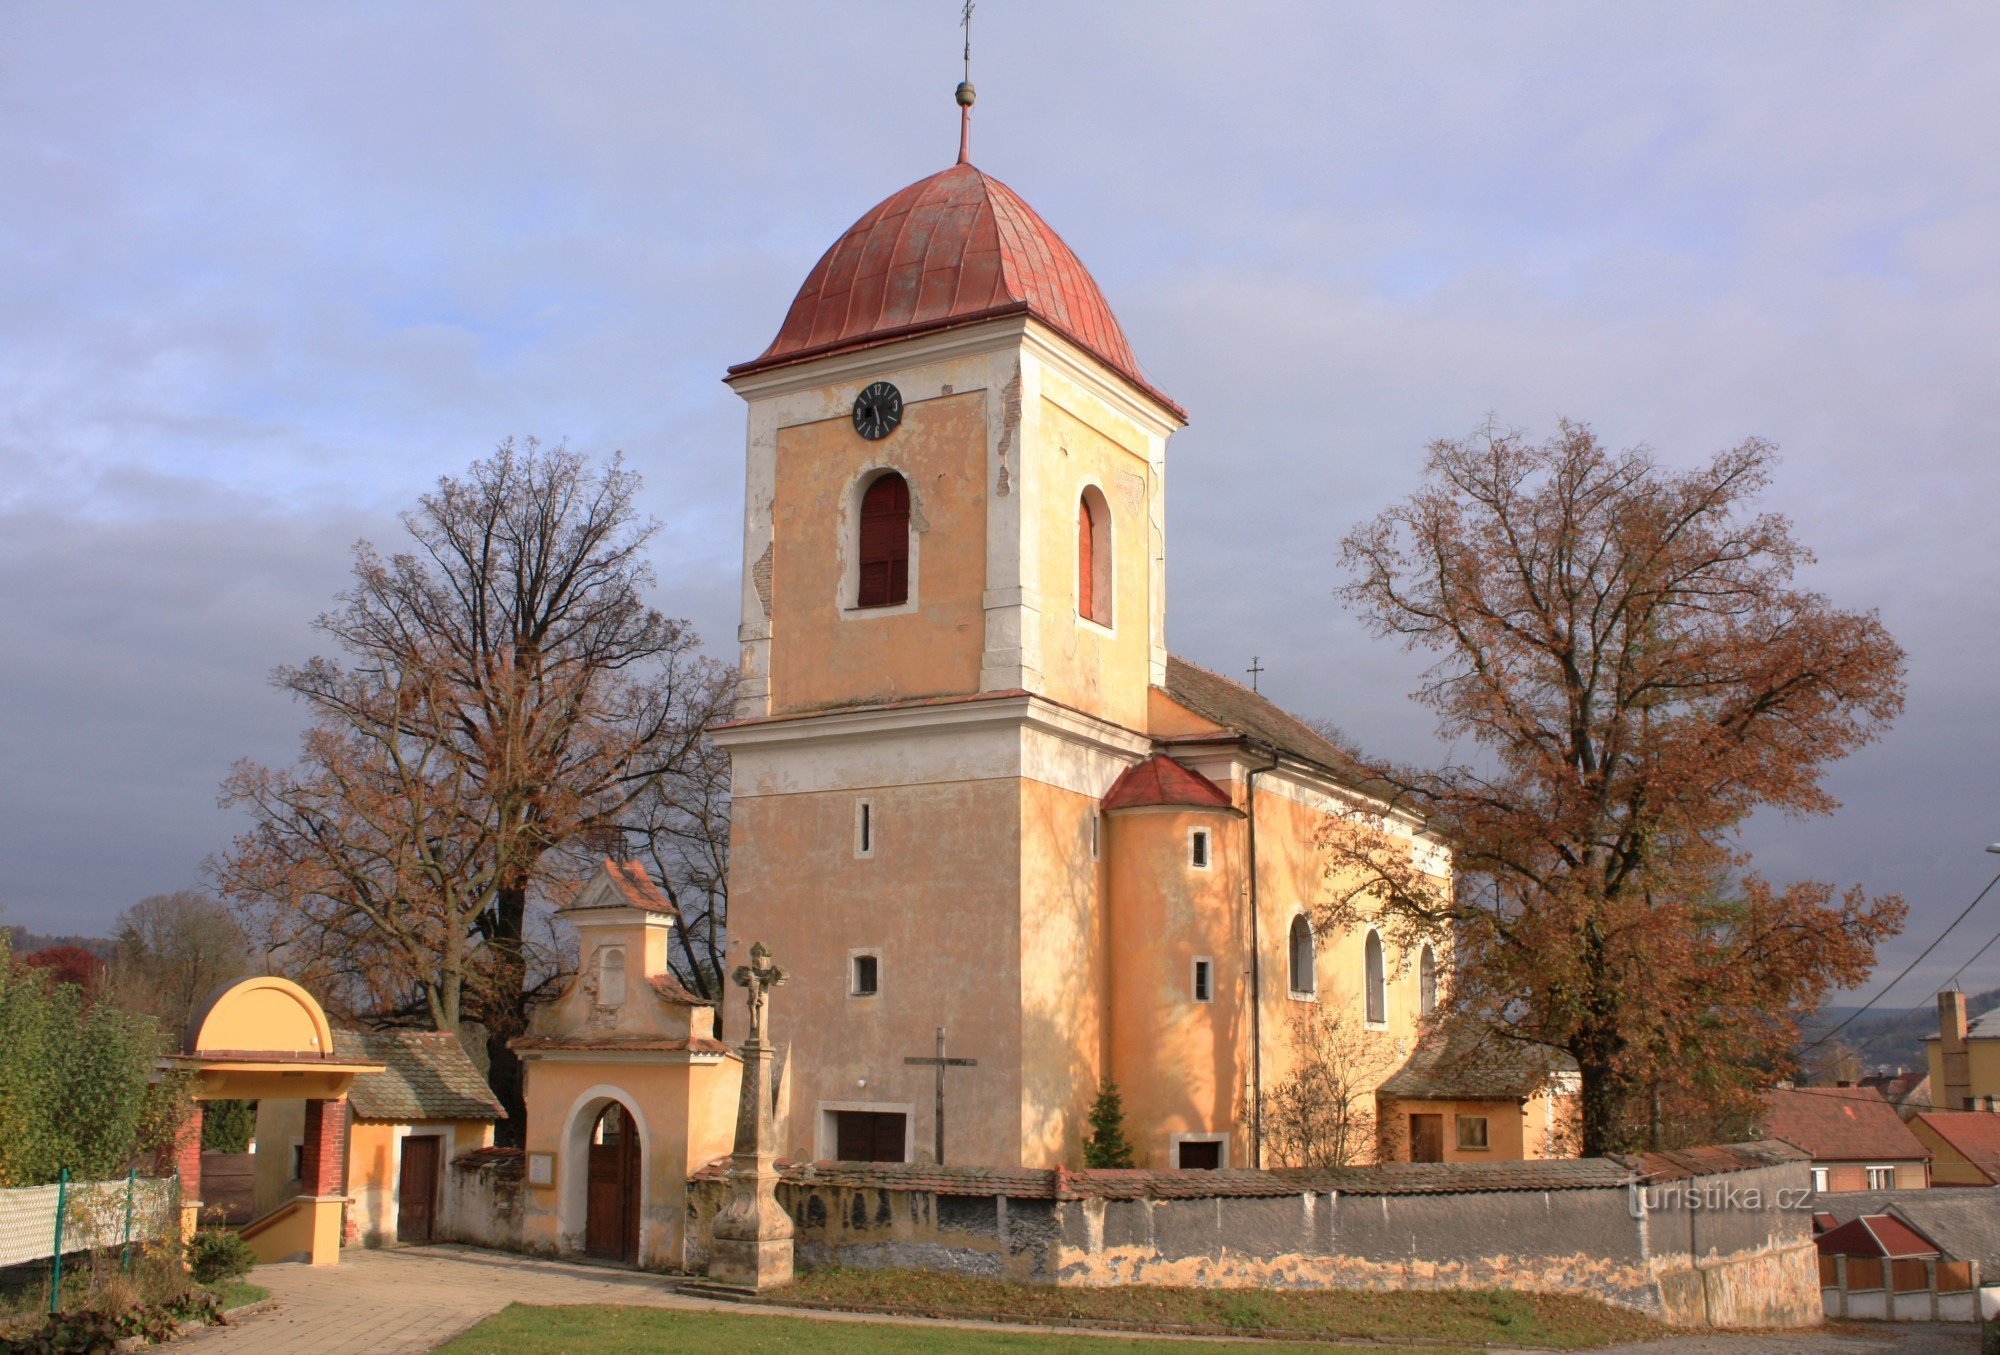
{"points": [[507, 1014]]}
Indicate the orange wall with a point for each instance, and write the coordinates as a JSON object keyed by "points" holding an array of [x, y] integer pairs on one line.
{"points": [[940, 900], [820, 657]]}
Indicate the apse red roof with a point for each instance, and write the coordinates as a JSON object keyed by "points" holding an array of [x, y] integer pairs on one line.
{"points": [[949, 250], [1160, 780]]}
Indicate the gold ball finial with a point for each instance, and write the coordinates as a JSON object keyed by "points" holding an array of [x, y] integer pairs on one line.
{"points": [[966, 94]]}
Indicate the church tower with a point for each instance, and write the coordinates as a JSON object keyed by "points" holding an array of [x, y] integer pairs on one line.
{"points": [[953, 613]]}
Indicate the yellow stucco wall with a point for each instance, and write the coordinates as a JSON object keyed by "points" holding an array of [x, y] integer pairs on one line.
{"points": [[1949, 1167], [687, 1115], [374, 1162], [824, 652], [1103, 671], [1982, 1068], [1064, 978], [940, 902], [1508, 1131]]}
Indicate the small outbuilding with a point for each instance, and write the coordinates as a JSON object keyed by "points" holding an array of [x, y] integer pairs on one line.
{"points": [[404, 1125]]}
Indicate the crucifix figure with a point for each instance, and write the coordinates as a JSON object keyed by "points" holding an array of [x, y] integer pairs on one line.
{"points": [[942, 1063], [1256, 667], [759, 976]]}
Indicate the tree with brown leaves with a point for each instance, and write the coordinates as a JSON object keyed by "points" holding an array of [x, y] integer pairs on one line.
{"points": [[506, 702], [1636, 668]]}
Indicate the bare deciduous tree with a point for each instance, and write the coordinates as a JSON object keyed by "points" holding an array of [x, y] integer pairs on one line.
{"points": [[505, 700], [172, 951], [1323, 1113], [1627, 651]]}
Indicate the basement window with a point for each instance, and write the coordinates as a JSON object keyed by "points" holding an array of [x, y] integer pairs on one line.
{"points": [[1472, 1133]]}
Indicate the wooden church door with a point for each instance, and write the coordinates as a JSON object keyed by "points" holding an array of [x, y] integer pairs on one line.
{"points": [[611, 1210]]}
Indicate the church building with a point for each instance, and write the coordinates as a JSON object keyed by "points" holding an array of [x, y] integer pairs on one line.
{"points": [[980, 810]]}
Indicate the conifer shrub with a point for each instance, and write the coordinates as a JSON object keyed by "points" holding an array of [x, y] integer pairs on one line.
{"points": [[1106, 1145]]}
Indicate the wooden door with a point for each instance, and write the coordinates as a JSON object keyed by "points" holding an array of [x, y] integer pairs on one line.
{"points": [[417, 1188], [869, 1135], [611, 1208], [1427, 1138]]}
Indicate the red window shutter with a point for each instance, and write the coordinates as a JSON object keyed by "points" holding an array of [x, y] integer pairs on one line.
{"points": [[1086, 560], [885, 543]]}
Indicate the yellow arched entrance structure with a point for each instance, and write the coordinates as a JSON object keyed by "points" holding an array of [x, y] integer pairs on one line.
{"points": [[267, 1037]]}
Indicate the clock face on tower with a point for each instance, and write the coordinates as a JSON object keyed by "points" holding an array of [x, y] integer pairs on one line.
{"points": [[877, 411]]}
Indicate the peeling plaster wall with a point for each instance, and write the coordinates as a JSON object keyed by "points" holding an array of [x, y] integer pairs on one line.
{"points": [[483, 1205], [1752, 1267]]}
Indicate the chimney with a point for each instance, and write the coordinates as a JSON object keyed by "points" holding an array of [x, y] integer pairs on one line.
{"points": [[1957, 1087]]}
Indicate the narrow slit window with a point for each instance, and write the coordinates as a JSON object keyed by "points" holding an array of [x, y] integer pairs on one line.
{"points": [[1427, 982], [1204, 980], [884, 577], [1374, 981], [1198, 849], [1096, 827], [864, 829]]}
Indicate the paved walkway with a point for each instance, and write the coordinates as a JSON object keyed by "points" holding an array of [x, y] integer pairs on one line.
{"points": [[409, 1301]]}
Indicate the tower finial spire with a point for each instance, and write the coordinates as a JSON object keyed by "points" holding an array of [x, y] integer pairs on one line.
{"points": [[966, 94]]}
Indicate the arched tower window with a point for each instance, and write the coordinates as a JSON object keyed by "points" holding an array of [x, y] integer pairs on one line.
{"points": [[1427, 982], [1374, 983], [1304, 973], [1093, 557], [885, 543], [611, 976]]}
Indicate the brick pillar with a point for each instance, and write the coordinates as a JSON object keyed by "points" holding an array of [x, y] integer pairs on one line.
{"points": [[187, 1157], [325, 1157]]}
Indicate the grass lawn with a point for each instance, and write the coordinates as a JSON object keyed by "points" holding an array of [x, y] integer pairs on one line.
{"points": [[1508, 1317], [588, 1330], [236, 1293]]}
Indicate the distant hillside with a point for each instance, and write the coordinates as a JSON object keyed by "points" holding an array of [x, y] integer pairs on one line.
{"points": [[1886, 1039], [26, 942]]}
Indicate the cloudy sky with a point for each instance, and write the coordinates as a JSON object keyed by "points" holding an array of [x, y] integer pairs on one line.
{"points": [[267, 271]]}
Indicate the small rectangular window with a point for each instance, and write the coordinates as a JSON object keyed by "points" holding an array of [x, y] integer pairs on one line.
{"points": [[1819, 1179], [1472, 1132], [1881, 1178], [1199, 1155], [864, 829], [1198, 849], [866, 977], [1204, 980]]}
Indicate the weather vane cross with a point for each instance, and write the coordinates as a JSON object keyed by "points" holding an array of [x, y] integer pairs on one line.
{"points": [[966, 94]]}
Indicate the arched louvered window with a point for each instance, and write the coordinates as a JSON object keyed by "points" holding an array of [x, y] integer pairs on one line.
{"points": [[1374, 981], [1093, 557], [1427, 982], [1304, 972], [885, 543]]}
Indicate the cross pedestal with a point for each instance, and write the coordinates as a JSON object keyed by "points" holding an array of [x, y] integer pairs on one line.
{"points": [[751, 1239]]}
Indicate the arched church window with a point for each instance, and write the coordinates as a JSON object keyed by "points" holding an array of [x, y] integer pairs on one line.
{"points": [[611, 976], [1304, 973], [1374, 981], [1427, 981], [1093, 557], [885, 543]]}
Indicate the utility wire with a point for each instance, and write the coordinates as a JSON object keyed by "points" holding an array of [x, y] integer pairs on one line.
{"points": [[1905, 972]]}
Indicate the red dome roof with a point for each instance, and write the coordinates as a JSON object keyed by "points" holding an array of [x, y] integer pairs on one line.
{"points": [[957, 247]]}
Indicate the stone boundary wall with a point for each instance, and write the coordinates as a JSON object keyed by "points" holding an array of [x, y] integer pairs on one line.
{"points": [[483, 1199], [1717, 1238]]}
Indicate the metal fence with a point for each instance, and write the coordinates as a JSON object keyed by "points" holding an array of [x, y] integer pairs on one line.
{"points": [[38, 1222]]}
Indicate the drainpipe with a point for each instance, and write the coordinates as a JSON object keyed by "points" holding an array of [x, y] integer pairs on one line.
{"points": [[1256, 975]]}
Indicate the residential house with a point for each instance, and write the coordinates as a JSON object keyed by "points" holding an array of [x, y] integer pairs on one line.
{"points": [[1856, 1139], [1908, 1092], [1964, 1057], [1964, 1146], [404, 1125]]}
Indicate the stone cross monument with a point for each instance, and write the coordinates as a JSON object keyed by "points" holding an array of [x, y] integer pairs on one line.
{"points": [[751, 1239]]}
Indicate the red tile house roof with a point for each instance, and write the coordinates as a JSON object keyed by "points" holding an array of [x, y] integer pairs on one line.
{"points": [[1160, 780], [1878, 1235], [1841, 1124], [1973, 1134], [952, 249]]}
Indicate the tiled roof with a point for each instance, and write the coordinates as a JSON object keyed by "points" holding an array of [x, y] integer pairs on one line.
{"points": [[1681, 1163], [1840, 1124], [1965, 1224], [1879, 1235], [1396, 1178], [428, 1076], [671, 988], [1901, 1089], [952, 249], [1973, 1134], [614, 1044], [631, 887], [1464, 1062], [1234, 706], [1160, 780]]}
